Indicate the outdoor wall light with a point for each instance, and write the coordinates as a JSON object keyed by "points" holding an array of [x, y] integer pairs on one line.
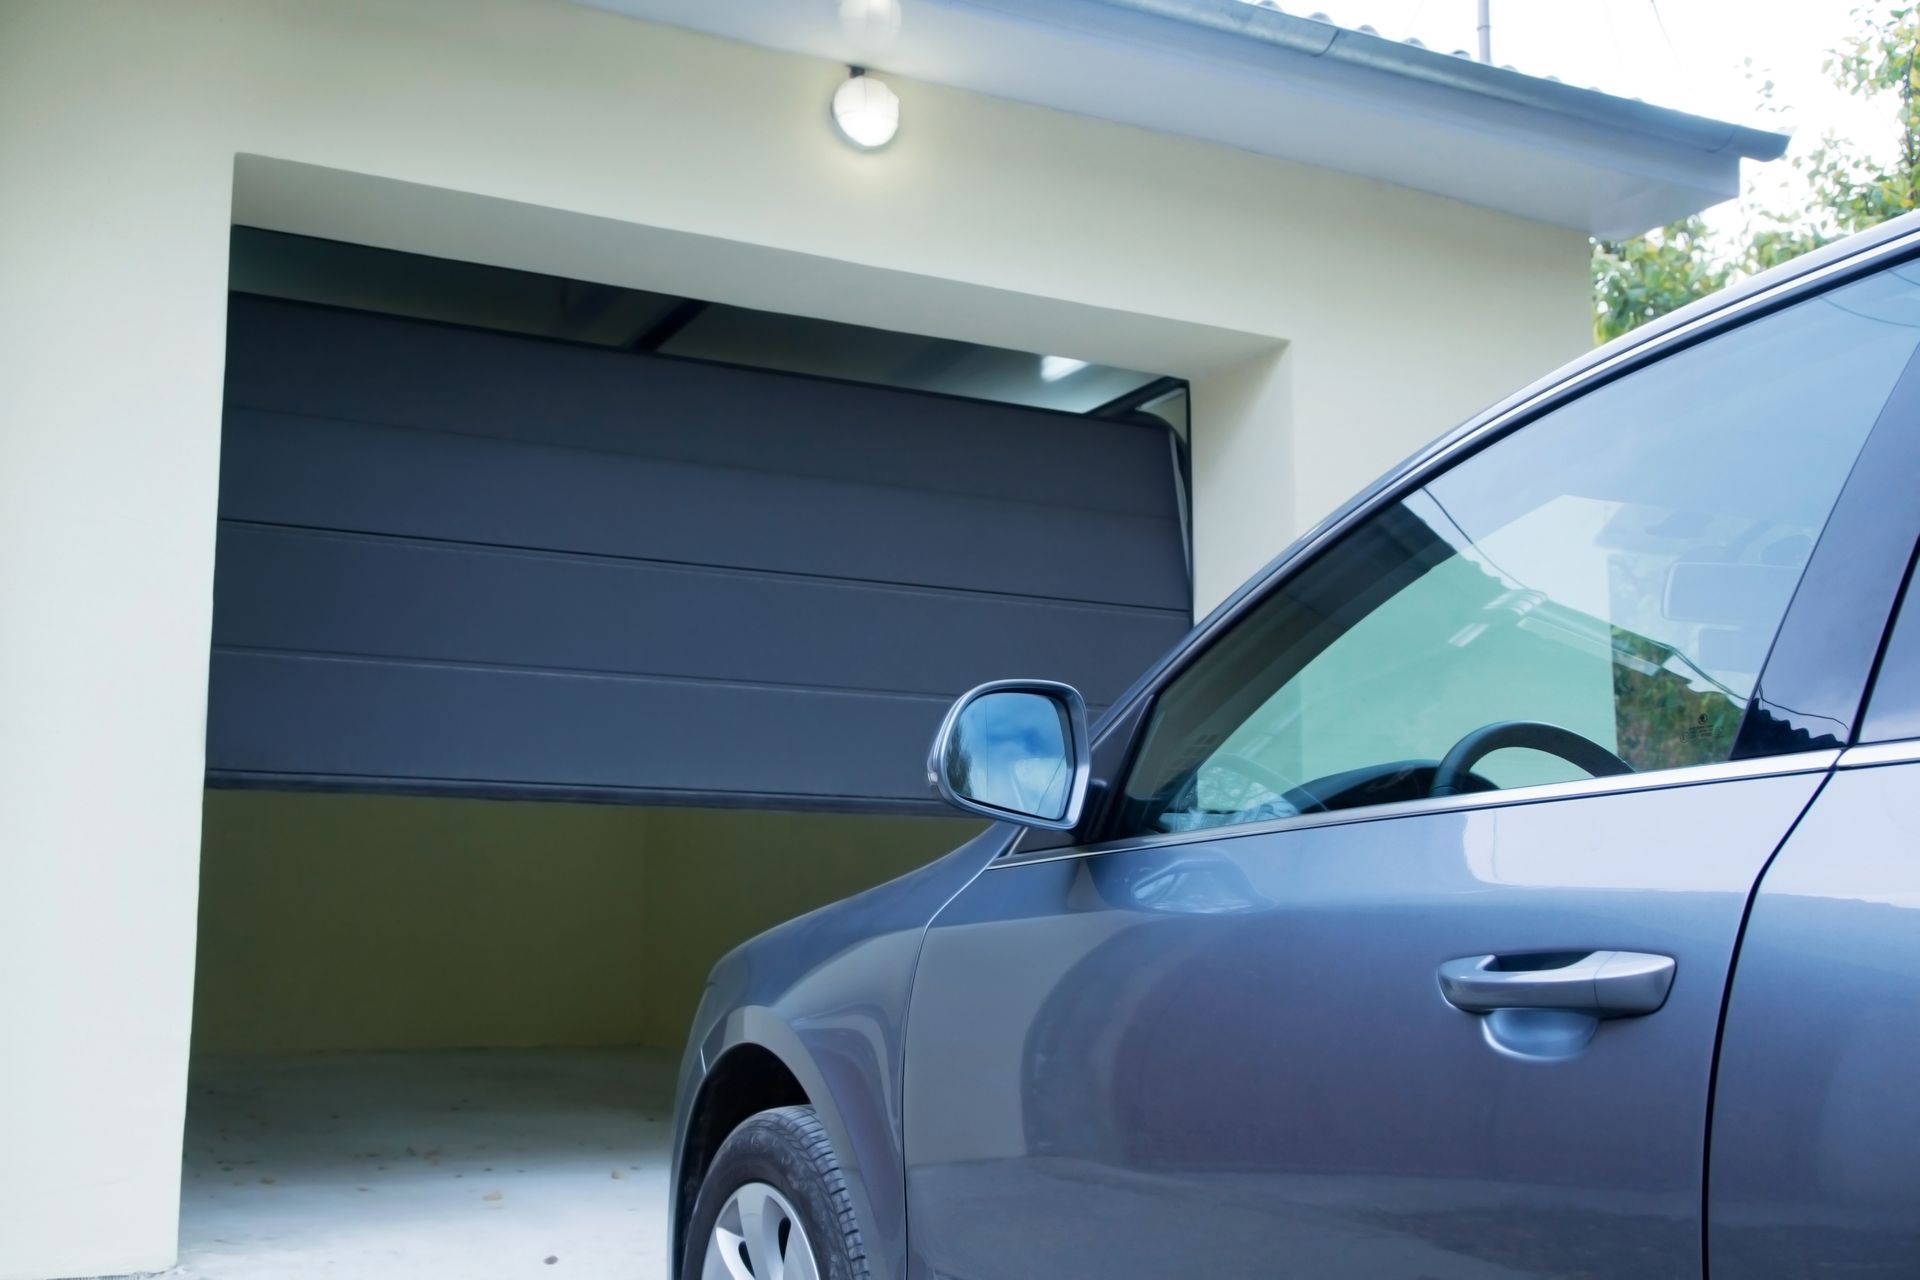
{"points": [[866, 111]]}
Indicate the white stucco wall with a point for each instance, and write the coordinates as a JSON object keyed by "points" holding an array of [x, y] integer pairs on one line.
{"points": [[1329, 326]]}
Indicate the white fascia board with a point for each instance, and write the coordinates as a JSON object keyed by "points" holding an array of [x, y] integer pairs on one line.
{"points": [[1104, 60]]}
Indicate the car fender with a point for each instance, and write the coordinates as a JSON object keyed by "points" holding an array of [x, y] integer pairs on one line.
{"points": [[827, 995]]}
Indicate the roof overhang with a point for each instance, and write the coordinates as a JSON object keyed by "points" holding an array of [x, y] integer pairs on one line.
{"points": [[1294, 88]]}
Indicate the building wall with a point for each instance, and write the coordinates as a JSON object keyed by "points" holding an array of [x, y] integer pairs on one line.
{"points": [[1329, 325], [398, 922]]}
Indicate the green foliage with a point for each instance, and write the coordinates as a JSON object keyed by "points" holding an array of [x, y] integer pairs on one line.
{"points": [[1877, 63], [1637, 280]]}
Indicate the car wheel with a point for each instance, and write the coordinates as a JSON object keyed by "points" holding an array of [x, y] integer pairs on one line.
{"points": [[774, 1206]]}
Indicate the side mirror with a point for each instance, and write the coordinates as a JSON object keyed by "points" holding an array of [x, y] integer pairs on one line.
{"points": [[1015, 751]]}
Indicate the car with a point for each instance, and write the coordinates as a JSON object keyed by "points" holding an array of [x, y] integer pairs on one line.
{"points": [[1517, 877]]}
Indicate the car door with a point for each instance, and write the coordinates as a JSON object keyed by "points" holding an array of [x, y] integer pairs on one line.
{"points": [[1398, 941], [1816, 1118]]}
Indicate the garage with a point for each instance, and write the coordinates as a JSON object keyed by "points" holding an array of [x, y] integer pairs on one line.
{"points": [[564, 636], [602, 465]]}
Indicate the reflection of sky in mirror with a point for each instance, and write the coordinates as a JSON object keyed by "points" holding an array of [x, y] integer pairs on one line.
{"points": [[1013, 754]]}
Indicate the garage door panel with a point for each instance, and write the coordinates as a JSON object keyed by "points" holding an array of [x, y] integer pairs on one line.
{"points": [[393, 480], [558, 730], [308, 591], [351, 366], [462, 561]]}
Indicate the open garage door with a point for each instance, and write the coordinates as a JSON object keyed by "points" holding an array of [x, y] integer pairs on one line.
{"points": [[454, 560]]}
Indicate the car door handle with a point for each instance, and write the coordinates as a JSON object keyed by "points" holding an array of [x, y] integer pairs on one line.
{"points": [[1607, 984]]}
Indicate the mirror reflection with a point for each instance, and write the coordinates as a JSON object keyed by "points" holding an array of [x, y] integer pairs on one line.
{"points": [[1012, 750]]}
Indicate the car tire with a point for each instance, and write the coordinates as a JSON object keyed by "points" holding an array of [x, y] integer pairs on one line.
{"points": [[778, 1164]]}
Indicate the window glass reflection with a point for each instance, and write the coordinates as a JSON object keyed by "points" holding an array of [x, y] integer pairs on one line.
{"points": [[1616, 570]]}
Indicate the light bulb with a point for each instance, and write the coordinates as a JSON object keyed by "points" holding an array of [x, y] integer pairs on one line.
{"points": [[867, 111]]}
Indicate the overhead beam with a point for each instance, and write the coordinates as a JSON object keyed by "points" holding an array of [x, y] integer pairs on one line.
{"points": [[1122, 405], [668, 326]]}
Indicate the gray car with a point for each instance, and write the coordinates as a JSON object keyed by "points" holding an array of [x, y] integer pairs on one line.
{"points": [[1519, 877]]}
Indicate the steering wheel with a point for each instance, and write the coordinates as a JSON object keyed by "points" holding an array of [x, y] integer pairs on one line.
{"points": [[1535, 735]]}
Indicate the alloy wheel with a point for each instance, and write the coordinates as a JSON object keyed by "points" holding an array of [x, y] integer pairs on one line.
{"points": [[759, 1236]]}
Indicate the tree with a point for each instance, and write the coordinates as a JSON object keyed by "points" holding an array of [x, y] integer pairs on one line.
{"points": [[1877, 63], [1638, 280], [1848, 190]]}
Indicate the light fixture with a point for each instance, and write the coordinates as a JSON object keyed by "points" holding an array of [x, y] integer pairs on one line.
{"points": [[1054, 368], [866, 111]]}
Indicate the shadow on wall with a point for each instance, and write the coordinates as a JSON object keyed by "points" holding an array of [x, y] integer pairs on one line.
{"points": [[399, 922]]}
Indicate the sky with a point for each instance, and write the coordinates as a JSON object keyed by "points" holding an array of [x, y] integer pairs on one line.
{"points": [[1676, 53]]}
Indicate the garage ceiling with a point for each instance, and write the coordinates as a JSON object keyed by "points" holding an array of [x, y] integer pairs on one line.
{"points": [[278, 265]]}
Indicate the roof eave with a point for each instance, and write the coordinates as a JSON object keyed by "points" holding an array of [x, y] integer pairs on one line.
{"points": [[1319, 39], [1295, 89]]}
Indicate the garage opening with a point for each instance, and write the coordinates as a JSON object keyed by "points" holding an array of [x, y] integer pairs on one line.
{"points": [[565, 636]]}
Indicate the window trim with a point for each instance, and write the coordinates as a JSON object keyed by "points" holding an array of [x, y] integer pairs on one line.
{"points": [[1116, 736], [1655, 780], [1869, 754]]}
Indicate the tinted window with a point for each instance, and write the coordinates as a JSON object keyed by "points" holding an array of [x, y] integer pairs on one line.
{"points": [[1614, 572], [1894, 710]]}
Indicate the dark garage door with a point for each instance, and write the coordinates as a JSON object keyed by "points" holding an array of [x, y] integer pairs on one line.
{"points": [[457, 560]]}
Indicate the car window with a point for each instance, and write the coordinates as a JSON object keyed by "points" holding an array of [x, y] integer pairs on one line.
{"points": [[1893, 711], [1593, 594]]}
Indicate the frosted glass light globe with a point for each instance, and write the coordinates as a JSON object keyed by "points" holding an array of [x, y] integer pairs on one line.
{"points": [[867, 111]]}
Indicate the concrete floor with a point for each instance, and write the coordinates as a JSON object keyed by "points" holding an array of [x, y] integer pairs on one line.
{"points": [[480, 1164]]}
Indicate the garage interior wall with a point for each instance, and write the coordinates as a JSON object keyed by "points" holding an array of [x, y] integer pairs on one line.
{"points": [[336, 922]]}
